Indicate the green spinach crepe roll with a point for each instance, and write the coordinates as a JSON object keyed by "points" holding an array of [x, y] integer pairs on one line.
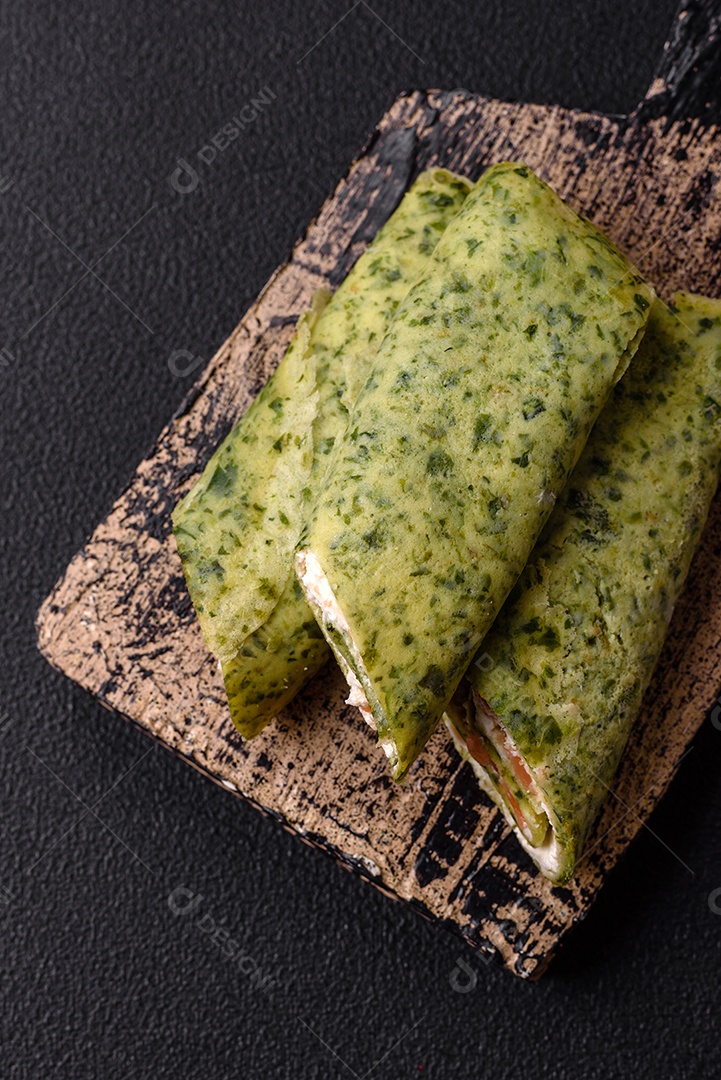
{"points": [[563, 671], [480, 400], [237, 529]]}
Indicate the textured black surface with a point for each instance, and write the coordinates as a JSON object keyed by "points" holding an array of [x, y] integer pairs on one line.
{"points": [[99, 976]]}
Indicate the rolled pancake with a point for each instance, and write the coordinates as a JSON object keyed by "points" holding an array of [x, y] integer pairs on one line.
{"points": [[560, 679], [480, 400], [237, 528]]}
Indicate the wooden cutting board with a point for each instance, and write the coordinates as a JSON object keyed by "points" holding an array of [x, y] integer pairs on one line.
{"points": [[120, 622]]}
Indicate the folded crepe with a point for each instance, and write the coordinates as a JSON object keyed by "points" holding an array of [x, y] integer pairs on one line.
{"points": [[559, 682], [479, 402], [237, 528]]}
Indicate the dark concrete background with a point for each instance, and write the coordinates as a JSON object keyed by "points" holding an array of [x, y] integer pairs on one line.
{"points": [[99, 977]]}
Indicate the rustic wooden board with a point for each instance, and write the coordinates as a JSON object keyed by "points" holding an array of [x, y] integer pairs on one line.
{"points": [[120, 622]]}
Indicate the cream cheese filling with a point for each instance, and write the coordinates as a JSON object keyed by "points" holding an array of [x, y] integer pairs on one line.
{"points": [[320, 595]]}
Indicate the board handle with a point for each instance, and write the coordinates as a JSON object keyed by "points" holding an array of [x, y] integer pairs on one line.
{"points": [[688, 82]]}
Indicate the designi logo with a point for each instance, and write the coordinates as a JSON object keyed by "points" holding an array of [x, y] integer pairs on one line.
{"points": [[185, 178], [180, 369]]}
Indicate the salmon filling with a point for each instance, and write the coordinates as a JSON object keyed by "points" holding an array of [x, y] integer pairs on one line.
{"points": [[492, 749]]}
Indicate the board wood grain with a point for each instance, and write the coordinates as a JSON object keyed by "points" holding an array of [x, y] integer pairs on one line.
{"points": [[120, 622]]}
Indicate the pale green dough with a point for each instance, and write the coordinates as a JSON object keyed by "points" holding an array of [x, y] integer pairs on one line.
{"points": [[238, 527], [478, 404], [571, 654]]}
